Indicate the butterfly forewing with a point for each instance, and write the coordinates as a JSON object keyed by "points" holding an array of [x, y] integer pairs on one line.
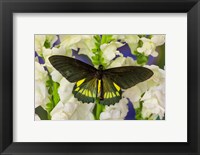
{"points": [[128, 76], [73, 70]]}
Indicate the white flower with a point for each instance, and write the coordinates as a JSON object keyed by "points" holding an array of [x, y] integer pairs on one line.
{"points": [[58, 112], [158, 76], [131, 40], [86, 44], [51, 39], [40, 42], [69, 41], [56, 76], [158, 39], [122, 61], [110, 51], [65, 90], [117, 111], [41, 93], [149, 45], [154, 102], [134, 93], [72, 110], [83, 112]]}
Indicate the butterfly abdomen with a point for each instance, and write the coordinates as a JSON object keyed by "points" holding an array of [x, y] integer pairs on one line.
{"points": [[100, 93]]}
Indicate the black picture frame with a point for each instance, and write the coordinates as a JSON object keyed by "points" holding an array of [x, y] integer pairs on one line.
{"points": [[8, 7]]}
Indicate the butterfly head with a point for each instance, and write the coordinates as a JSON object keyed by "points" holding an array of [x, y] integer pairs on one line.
{"points": [[100, 67]]}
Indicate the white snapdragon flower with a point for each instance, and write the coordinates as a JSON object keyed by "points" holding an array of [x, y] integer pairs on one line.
{"points": [[154, 102], [70, 41], [122, 61], [51, 39], [83, 112], [40, 42], [157, 78], [86, 44], [134, 93], [72, 110], [110, 51], [131, 40], [117, 111], [158, 39], [149, 45], [58, 112], [65, 90], [41, 92]]}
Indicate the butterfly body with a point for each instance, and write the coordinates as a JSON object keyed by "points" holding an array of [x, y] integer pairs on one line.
{"points": [[104, 84]]}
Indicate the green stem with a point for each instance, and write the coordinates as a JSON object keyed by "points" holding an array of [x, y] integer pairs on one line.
{"points": [[98, 109]]}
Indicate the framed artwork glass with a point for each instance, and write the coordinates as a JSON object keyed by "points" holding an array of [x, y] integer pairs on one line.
{"points": [[82, 76]]}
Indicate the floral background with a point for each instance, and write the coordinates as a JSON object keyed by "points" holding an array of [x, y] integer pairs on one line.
{"points": [[53, 93]]}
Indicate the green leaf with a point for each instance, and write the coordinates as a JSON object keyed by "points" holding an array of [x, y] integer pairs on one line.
{"points": [[49, 107], [56, 97], [47, 44], [97, 38], [140, 43], [141, 59], [106, 39], [41, 113], [161, 56], [138, 112]]}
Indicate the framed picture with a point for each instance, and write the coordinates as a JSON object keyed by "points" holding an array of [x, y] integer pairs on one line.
{"points": [[104, 77]]}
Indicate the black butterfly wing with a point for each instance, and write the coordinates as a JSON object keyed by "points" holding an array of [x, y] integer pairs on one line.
{"points": [[81, 73], [128, 76], [85, 90], [111, 91], [72, 69]]}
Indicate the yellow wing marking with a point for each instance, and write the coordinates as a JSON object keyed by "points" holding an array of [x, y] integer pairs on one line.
{"points": [[77, 89], [116, 86], [99, 86], [113, 94], [105, 95], [117, 93], [86, 92], [80, 82], [89, 93]]}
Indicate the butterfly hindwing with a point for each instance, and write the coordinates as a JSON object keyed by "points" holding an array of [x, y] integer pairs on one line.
{"points": [[111, 91], [128, 76], [72, 69], [84, 90]]}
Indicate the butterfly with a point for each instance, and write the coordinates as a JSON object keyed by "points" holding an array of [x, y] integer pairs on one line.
{"points": [[92, 83]]}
